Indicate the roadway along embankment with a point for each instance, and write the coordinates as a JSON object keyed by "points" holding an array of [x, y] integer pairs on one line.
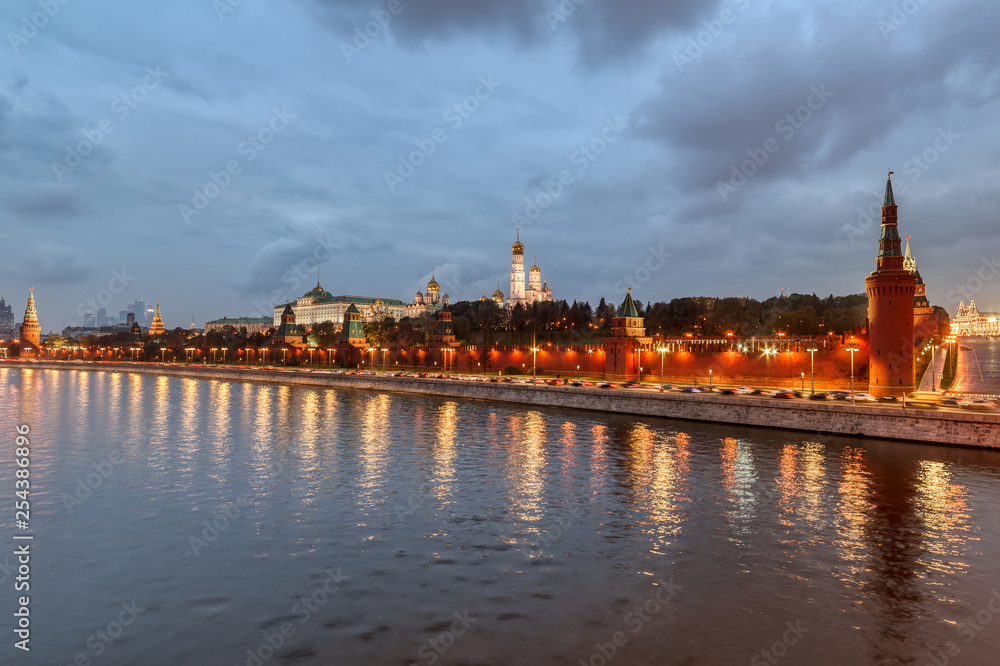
{"points": [[976, 429]]}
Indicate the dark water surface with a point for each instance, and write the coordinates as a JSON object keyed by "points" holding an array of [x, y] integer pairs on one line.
{"points": [[389, 529]]}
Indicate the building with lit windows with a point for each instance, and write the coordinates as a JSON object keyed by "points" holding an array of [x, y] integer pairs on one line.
{"points": [[318, 306], [429, 302], [970, 321]]}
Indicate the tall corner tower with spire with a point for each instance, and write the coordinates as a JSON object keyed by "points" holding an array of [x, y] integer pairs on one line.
{"points": [[157, 327], [31, 332], [891, 289]]}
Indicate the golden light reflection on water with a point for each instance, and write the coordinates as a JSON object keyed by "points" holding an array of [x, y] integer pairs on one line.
{"points": [[668, 490], [943, 507], [526, 464], [598, 453], [444, 451], [373, 453], [220, 424], [854, 511], [738, 479], [263, 415]]}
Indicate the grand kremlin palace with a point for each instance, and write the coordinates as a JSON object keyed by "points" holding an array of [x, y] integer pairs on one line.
{"points": [[318, 306]]}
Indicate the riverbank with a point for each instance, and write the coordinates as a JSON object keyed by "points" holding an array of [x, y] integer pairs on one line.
{"points": [[973, 429]]}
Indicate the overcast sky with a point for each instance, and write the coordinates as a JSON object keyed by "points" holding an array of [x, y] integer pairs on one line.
{"points": [[613, 133]]}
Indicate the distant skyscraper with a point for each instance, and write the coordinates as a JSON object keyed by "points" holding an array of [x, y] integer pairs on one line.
{"points": [[102, 318], [6, 320], [123, 316], [89, 320]]}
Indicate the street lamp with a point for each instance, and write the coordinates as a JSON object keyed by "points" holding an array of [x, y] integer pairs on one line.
{"points": [[853, 348], [662, 350], [803, 382], [710, 376], [383, 350], [215, 355], [284, 352], [534, 351], [812, 370]]}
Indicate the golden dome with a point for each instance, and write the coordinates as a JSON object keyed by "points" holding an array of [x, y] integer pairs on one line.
{"points": [[517, 247], [483, 297], [535, 268], [433, 285], [498, 294]]}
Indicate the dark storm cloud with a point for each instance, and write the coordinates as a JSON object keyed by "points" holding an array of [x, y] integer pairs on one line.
{"points": [[699, 88]]}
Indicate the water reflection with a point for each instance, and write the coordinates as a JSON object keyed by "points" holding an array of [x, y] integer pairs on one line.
{"points": [[738, 480]]}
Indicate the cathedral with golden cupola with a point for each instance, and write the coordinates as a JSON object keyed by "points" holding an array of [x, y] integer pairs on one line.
{"points": [[429, 302]]}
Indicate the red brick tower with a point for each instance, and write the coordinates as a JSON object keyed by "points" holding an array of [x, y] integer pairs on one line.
{"points": [[891, 289], [30, 332], [628, 338]]}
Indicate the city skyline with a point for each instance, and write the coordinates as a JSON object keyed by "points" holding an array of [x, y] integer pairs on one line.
{"points": [[616, 138]]}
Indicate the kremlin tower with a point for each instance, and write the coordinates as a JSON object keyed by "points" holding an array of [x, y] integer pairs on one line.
{"points": [[30, 331], [891, 292], [157, 326]]}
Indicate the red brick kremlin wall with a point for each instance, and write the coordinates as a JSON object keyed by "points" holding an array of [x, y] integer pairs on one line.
{"points": [[688, 361]]}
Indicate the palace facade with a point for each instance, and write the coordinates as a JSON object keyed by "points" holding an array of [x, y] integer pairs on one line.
{"points": [[252, 324], [318, 306], [970, 321]]}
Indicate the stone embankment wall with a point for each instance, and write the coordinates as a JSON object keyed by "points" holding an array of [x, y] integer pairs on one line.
{"points": [[976, 429]]}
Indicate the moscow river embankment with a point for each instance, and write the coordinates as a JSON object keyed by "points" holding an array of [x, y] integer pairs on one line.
{"points": [[973, 429]]}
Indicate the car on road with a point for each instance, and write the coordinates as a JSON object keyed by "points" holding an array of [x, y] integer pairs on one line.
{"points": [[690, 389], [760, 392], [606, 385], [980, 403], [864, 397], [819, 396], [784, 394]]}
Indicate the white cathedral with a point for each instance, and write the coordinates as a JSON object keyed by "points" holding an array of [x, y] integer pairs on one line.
{"points": [[536, 290]]}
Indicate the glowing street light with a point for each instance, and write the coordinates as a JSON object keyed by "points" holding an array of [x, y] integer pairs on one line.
{"points": [[662, 350], [853, 348], [812, 370]]}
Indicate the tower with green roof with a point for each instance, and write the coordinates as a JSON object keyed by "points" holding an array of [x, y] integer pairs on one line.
{"points": [[623, 349]]}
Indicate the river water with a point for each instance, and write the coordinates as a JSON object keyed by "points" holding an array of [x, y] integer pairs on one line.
{"points": [[181, 521]]}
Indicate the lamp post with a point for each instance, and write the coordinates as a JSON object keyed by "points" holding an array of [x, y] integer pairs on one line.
{"points": [[284, 357], [853, 348], [812, 370], [662, 350], [215, 355], [163, 355], [710, 376], [383, 350], [224, 350], [534, 351], [803, 382], [933, 369]]}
